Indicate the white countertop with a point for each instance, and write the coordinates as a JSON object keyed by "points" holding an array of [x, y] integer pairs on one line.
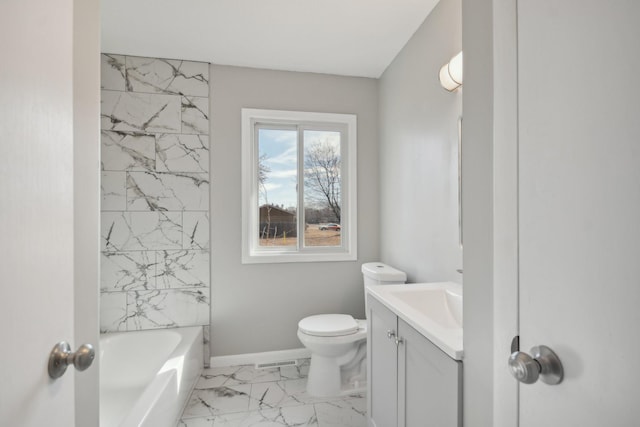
{"points": [[427, 312]]}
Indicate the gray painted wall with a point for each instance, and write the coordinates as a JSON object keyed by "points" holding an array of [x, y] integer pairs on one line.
{"points": [[418, 153], [256, 308]]}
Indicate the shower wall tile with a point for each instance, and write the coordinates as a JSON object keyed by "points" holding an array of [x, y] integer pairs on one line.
{"points": [[125, 231], [164, 191], [127, 271], [112, 72], [113, 186], [182, 269], [196, 230], [182, 153], [167, 308], [195, 115], [113, 311], [167, 76], [140, 112], [123, 151], [155, 263]]}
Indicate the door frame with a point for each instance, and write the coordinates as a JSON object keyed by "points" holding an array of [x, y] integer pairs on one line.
{"points": [[505, 209], [86, 200]]}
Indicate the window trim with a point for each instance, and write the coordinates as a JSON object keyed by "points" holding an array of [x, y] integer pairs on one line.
{"points": [[251, 254]]}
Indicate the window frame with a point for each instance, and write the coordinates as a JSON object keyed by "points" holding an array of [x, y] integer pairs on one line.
{"points": [[252, 252]]}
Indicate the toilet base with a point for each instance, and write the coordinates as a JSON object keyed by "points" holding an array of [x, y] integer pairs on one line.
{"points": [[326, 379]]}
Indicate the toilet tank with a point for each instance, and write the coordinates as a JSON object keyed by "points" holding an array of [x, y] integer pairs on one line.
{"points": [[377, 273]]}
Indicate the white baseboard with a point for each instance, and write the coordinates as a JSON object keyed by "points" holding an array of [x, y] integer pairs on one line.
{"points": [[253, 358]]}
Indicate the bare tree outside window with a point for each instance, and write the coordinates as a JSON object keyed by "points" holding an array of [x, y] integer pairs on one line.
{"points": [[322, 188], [263, 176]]}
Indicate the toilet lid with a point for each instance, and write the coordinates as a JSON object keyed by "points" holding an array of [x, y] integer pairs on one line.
{"points": [[328, 325]]}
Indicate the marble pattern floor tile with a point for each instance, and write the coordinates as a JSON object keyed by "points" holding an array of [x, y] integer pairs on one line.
{"points": [[301, 370], [232, 375], [342, 413], [219, 400], [242, 396]]}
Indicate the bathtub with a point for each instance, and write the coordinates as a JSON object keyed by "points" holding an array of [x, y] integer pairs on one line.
{"points": [[146, 377]]}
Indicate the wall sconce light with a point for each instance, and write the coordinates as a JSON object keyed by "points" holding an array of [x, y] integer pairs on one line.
{"points": [[451, 73]]}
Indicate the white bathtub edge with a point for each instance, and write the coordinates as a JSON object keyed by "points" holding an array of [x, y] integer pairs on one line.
{"points": [[163, 399], [264, 357]]}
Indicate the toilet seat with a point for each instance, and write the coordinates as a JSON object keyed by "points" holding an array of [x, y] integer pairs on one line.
{"points": [[328, 325]]}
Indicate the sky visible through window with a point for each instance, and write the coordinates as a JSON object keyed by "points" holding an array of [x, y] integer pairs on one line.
{"points": [[278, 150]]}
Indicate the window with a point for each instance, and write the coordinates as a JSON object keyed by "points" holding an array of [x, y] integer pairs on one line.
{"points": [[299, 186]]}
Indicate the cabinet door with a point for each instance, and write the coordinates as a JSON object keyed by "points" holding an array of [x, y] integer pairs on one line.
{"points": [[430, 383], [382, 366]]}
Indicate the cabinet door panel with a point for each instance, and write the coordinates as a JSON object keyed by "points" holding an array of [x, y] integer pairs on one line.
{"points": [[429, 382], [382, 365]]}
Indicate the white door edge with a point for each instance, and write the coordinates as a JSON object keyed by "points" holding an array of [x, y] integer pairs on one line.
{"points": [[505, 206]]}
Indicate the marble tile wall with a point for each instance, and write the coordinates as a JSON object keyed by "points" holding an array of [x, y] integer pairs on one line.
{"points": [[155, 193]]}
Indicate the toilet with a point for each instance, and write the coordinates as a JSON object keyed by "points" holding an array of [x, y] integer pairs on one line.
{"points": [[338, 342]]}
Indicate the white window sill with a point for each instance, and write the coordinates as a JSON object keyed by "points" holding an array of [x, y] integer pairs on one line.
{"points": [[270, 258]]}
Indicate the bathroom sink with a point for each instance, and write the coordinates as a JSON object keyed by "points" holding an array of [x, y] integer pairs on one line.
{"points": [[433, 309], [440, 305]]}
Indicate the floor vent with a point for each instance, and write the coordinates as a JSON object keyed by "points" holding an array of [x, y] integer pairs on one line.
{"points": [[276, 364]]}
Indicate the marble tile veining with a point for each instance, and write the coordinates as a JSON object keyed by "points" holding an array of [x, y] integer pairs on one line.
{"points": [[195, 115], [182, 153], [140, 112], [127, 151], [126, 271], [113, 191], [167, 191], [219, 400], [195, 227], [342, 413], [242, 396], [167, 76], [113, 311], [167, 308], [301, 370], [182, 269], [155, 262], [122, 231], [112, 72], [287, 417], [232, 375]]}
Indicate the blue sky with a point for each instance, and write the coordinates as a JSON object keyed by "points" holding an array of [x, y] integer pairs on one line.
{"points": [[280, 149]]}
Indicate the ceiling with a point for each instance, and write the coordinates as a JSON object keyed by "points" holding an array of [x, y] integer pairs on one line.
{"points": [[344, 37]]}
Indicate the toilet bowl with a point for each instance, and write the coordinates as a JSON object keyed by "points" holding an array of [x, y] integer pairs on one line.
{"points": [[338, 342], [338, 347]]}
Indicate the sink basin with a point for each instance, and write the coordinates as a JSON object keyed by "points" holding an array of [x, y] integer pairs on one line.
{"points": [[443, 306], [433, 309]]}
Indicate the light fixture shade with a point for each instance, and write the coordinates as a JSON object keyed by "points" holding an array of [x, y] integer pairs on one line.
{"points": [[451, 73]]}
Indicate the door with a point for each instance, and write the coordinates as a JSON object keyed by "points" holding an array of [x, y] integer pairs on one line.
{"points": [[579, 207], [49, 233]]}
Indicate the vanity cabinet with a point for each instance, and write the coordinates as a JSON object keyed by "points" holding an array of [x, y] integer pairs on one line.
{"points": [[411, 382]]}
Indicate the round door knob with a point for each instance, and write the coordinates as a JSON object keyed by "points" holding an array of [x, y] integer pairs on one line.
{"points": [[524, 368], [544, 364], [61, 357]]}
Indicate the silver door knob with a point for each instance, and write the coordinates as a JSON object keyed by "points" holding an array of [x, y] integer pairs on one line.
{"points": [[544, 364], [61, 357]]}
